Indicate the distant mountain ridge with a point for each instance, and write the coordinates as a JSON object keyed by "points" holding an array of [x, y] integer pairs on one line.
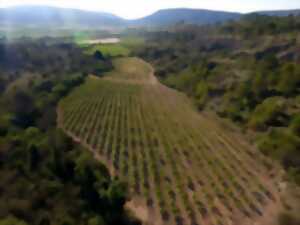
{"points": [[190, 16], [53, 16], [280, 13], [33, 15]]}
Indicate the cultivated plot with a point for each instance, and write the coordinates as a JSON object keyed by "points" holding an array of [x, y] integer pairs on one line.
{"points": [[182, 167]]}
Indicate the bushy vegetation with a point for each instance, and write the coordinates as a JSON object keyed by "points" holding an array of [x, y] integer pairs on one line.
{"points": [[46, 178], [46, 57], [246, 70], [253, 25]]}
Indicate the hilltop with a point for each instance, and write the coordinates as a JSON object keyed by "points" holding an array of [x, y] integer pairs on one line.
{"points": [[30, 16]]}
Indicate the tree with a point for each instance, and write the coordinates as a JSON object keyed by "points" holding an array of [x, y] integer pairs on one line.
{"points": [[259, 85], [34, 157], [295, 125], [270, 62], [289, 79], [267, 113], [98, 55], [60, 90], [201, 93], [281, 145], [116, 194], [24, 109]]}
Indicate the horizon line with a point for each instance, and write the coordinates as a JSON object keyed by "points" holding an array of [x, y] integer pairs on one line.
{"points": [[122, 17]]}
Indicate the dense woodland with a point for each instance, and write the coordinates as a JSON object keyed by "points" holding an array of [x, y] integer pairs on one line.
{"points": [[246, 70], [46, 178]]}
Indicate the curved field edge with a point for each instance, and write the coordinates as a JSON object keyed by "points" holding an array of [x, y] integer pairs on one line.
{"points": [[181, 167]]}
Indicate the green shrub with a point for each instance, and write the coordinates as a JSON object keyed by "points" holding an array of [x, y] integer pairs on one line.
{"points": [[12, 221], [287, 219], [202, 90], [294, 174], [278, 143], [267, 113], [97, 220], [284, 146], [295, 125], [289, 79]]}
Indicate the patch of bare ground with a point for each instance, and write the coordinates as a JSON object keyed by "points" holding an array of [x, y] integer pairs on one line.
{"points": [[141, 211]]}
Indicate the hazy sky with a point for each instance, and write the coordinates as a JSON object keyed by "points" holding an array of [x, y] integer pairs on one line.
{"points": [[139, 8]]}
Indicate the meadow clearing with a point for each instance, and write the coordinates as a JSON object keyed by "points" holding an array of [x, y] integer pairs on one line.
{"points": [[111, 47]]}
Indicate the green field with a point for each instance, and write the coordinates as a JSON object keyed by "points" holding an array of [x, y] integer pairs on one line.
{"points": [[109, 49], [180, 166], [132, 42], [123, 48]]}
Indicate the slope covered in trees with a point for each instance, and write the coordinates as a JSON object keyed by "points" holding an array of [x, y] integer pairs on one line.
{"points": [[247, 71], [46, 178]]}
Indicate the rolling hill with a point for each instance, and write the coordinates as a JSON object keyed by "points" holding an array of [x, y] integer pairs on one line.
{"points": [[281, 12], [41, 16], [56, 17], [190, 16]]}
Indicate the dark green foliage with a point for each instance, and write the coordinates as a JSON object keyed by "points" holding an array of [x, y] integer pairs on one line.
{"points": [[255, 24], [284, 146], [269, 112], [12, 221], [289, 80], [23, 109], [202, 91], [287, 219], [50, 174], [295, 125], [47, 179], [98, 55], [279, 144], [47, 57]]}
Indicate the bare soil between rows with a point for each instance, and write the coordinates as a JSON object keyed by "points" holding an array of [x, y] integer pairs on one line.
{"points": [[138, 205]]}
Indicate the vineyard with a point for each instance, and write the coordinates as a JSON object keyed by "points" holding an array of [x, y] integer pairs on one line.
{"points": [[182, 167]]}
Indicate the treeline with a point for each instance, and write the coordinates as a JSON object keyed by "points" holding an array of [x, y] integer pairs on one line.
{"points": [[253, 81], [47, 57], [46, 178], [256, 24]]}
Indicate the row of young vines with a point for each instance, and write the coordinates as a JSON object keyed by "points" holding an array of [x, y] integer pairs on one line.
{"points": [[184, 167]]}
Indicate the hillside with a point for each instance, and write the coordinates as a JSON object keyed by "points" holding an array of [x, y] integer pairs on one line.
{"points": [[154, 140], [37, 16], [46, 178], [53, 17], [246, 71], [189, 16], [280, 13]]}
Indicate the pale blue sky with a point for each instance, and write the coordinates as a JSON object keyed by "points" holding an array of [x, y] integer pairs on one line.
{"points": [[139, 8]]}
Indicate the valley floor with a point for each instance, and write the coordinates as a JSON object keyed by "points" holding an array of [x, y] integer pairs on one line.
{"points": [[181, 167]]}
